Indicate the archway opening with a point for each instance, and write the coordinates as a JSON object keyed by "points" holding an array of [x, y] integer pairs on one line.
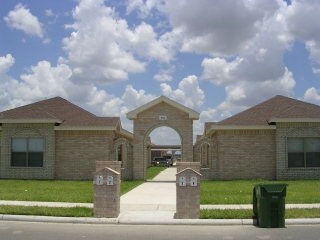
{"points": [[164, 147]]}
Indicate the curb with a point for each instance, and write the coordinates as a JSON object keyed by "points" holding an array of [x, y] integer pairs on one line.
{"points": [[217, 222]]}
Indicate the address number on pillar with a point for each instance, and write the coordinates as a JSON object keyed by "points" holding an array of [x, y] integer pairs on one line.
{"points": [[182, 181], [109, 180], [193, 181], [99, 180]]}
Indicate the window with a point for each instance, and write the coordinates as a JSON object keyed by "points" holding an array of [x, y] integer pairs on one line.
{"points": [[27, 152], [303, 152]]}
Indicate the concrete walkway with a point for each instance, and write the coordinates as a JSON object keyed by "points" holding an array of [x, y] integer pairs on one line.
{"points": [[155, 199]]}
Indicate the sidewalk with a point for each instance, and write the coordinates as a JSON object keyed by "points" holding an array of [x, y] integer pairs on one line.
{"points": [[153, 202]]}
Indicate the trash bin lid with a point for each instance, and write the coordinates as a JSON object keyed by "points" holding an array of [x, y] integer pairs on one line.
{"points": [[274, 188]]}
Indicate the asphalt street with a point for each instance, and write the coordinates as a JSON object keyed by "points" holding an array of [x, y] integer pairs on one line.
{"points": [[11, 230]]}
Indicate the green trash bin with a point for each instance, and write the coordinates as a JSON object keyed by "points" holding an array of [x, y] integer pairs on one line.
{"points": [[269, 205]]}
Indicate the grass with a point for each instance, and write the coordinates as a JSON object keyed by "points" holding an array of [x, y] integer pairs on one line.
{"points": [[53, 191], [212, 192], [204, 213], [154, 171], [47, 211], [127, 186], [248, 214], [240, 191]]}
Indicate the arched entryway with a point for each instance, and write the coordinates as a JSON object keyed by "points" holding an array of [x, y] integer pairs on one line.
{"points": [[160, 112], [165, 142], [203, 153]]}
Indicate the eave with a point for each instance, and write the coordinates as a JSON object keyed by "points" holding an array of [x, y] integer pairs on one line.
{"points": [[293, 120], [30, 120], [240, 127], [85, 128]]}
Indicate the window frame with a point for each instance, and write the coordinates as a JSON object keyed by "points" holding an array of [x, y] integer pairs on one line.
{"points": [[28, 162], [304, 144]]}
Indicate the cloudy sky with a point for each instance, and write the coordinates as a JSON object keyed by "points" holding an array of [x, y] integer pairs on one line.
{"points": [[218, 57]]}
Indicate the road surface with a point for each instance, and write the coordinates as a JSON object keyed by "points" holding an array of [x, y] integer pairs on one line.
{"points": [[10, 230]]}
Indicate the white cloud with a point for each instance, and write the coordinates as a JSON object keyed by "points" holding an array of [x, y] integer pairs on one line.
{"points": [[242, 94], [220, 27], [162, 77], [49, 13], [103, 48], [133, 98], [188, 92], [21, 18], [219, 70], [44, 81], [257, 71], [145, 43], [143, 7], [5, 63], [302, 19], [312, 95]]}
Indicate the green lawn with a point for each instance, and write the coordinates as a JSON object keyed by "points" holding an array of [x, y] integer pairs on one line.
{"points": [[53, 191], [212, 192], [154, 171], [60, 191], [46, 211], [240, 192], [204, 214], [248, 214]]}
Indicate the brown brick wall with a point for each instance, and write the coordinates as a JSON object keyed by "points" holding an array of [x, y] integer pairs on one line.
{"points": [[285, 130], [147, 121], [77, 152], [45, 131], [245, 154]]}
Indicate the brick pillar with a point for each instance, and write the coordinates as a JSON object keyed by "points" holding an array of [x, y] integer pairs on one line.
{"points": [[188, 194], [139, 168], [106, 193]]}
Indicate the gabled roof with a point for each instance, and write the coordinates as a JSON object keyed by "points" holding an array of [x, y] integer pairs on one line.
{"points": [[188, 169], [60, 111], [192, 114], [276, 109]]}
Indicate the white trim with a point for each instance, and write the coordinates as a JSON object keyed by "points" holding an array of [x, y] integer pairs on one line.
{"points": [[192, 114], [240, 127], [126, 133], [84, 128], [272, 120], [188, 169], [30, 120]]}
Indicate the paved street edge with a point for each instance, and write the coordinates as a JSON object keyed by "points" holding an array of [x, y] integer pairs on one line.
{"points": [[48, 219]]}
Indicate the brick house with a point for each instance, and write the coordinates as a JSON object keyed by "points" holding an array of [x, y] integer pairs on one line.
{"points": [[276, 139], [55, 139]]}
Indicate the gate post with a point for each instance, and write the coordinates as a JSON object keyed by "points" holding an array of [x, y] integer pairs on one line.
{"points": [[106, 193], [188, 194]]}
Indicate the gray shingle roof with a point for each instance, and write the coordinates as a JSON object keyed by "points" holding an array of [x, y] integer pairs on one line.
{"points": [[276, 107], [58, 108]]}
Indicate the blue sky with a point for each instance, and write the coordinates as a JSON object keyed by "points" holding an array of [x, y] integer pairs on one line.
{"points": [[217, 57]]}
